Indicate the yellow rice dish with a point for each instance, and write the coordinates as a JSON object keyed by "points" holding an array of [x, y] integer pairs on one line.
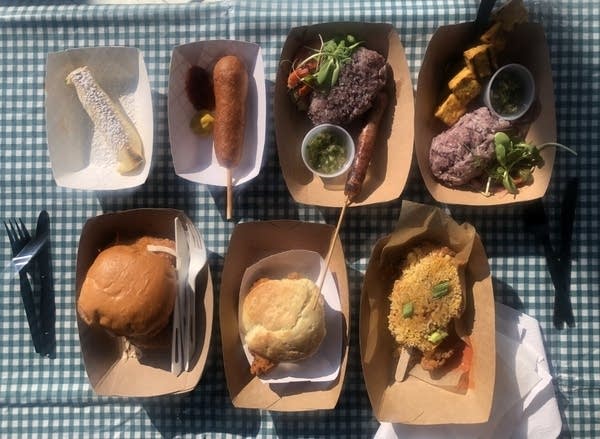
{"points": [[425, 299]]}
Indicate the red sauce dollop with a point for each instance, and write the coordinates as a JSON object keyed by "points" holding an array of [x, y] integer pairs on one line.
{"points": [[466, 362], [467, 358], [199, 88]]}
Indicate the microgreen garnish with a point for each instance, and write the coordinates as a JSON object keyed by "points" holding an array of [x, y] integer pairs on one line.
{"points": [[330, 58], [515, 161]]}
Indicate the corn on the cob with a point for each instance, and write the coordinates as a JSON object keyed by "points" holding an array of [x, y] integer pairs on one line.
{"points": [[112, 122]]}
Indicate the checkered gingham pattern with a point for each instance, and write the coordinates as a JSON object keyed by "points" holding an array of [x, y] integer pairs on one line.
{"points": [[40, 397]]}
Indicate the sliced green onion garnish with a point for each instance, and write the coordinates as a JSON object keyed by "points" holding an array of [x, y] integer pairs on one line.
{"points": [[440, 289], [407, 310], [437, 336]]}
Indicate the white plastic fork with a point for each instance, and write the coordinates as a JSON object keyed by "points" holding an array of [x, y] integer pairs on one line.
{"points": [[198, 260], [178, 346]]}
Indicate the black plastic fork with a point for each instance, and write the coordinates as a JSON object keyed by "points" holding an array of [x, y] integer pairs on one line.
{"points": [[19, 236]]}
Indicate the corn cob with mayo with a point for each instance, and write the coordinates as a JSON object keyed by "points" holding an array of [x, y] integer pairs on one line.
{"points": [[109, 119]]}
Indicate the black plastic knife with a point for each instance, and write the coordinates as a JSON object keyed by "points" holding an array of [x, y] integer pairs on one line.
{"points": [[559, 262], [483, 15], [47, 300], [563, 310]]}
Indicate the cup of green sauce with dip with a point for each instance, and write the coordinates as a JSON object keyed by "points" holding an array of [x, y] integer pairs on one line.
{"points": [[328, 150], [510, 92]]}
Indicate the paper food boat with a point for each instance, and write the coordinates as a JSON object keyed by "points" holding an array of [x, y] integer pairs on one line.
{"points": [[324, 365], [390, 165], [421, 399], [121, 73], [193, 156], [526, 45], [250, 243], [110, 370]]}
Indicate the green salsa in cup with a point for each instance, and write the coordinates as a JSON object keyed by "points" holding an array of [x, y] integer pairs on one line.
{"points": [[510, 92], [328, 150]]}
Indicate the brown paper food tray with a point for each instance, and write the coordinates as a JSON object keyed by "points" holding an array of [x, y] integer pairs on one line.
{"points": [[249, 243], [414, 401], [526, 45], [110, 373], [390, 165]]}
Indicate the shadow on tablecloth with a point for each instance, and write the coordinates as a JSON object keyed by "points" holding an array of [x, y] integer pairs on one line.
{"points": [[208, 408]]}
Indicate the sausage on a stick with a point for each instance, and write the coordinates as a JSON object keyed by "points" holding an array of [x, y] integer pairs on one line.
{"points": [[365, 148], [358, 170], [230, 81]]}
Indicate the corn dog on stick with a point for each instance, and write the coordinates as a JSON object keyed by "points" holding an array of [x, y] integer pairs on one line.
{"points": [[112, 122]]}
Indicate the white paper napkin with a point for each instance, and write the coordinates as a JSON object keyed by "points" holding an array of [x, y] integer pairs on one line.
{"points": [[524, 403]]}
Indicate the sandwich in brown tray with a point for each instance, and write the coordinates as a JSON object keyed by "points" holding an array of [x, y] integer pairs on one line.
{"points": [[282, 320], [130, 291], [425, 300]]}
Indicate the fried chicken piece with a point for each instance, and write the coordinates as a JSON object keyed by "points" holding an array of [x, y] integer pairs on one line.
{"points": [[446, 352], [261, 365], [437, 358]]}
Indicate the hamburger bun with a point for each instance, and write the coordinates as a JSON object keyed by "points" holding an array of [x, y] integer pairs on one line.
{"points": [[283, 319], [130, 291]]}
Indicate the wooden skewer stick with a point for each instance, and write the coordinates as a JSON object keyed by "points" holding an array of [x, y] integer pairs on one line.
{"points": [[336, 232], [402, 366], [229, 213]]}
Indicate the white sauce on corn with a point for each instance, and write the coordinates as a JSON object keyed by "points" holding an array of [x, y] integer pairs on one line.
{"points": [[118, 143]]}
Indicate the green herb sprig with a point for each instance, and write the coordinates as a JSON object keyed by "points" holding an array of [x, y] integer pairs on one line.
{"points": [[515, 161], [330, 57]]}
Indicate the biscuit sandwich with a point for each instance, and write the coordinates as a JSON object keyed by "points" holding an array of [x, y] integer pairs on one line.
{"points": [[283, 320]]}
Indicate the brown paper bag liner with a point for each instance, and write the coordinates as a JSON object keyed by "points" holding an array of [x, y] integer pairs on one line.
{"points": [[419, 223]]}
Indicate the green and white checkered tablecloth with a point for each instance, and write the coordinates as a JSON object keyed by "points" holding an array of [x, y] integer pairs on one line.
{"points": [[43, 397]]}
